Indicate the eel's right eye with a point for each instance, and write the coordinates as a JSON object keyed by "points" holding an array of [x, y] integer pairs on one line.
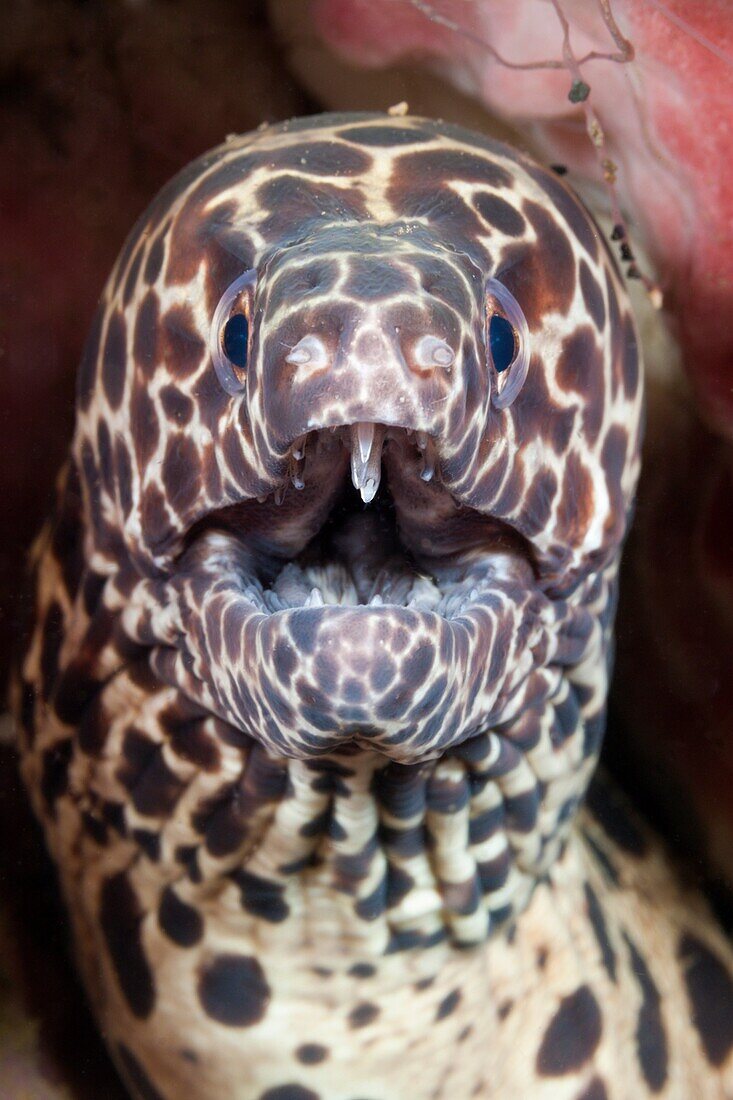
{"points": [[229, 342], [235, 340]]}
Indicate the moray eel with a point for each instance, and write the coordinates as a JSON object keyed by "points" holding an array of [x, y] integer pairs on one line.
{"points": [[323, 634]]}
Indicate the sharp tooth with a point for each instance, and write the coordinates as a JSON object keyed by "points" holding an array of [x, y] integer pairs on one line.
{"points": [[365, 439], [279, 494], [427, 448], [315, 599], [369, 491], [366, 459], [376, 601]]}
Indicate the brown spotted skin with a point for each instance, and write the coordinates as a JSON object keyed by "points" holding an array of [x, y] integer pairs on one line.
{"points": [[337, 849]]}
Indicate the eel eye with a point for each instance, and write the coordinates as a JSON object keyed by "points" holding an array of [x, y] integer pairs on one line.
{"points": [[507, 343], [229, 342]]}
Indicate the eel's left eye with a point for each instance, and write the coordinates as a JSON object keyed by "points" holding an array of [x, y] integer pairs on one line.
{"points": [[502, 343], [507, 343], [229, 342]]}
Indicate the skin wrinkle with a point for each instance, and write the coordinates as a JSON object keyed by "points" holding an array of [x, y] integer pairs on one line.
{"points": [[298, 728]]}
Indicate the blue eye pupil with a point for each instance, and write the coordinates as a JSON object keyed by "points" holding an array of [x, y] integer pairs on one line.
{"points": [[502, 342], [236, 340]]}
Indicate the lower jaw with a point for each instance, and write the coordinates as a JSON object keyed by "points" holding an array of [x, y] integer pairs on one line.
{"points": [[360, 650]]}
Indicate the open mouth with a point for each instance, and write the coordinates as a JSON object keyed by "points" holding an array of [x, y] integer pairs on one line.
{"points": [[363, 520], [359, 603]]}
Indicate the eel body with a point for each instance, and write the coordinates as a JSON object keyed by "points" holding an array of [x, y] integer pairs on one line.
{"points": [[323, 632]]}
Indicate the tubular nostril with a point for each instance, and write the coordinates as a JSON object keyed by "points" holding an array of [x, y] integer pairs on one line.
{"points": [[308, 352], [431, 351]]}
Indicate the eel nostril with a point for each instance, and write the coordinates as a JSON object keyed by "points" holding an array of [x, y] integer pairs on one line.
{"points": [[431, 351], [310, 351]]}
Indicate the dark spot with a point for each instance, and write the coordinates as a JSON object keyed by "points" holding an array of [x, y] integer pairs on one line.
{"points": [[384, 136], [68, 534], [541, 275], [149, 842], [570, 207], [55, 773], [123, 474], [143, 426], [321, 158], [598, 924], [363, 1014], [651, 1041], [120, 918], [710, 990], [594, 1090], [399, 884], [500, 214], [310, 1054], [182, 346], [571, 1036], [362, 970], [289, 1092], [145, 338], [261, 897], [181, 474], [132, 276], [613, 459], [592, 296], [295, 201], [303, 631], [221, 821], [189, 739], [136, 1076], [114, 360], [432, 168], [154, 262], [577, 502], [177, 406], [154, 787], [27, 708], [448, 1005], [537, 416], [417, 666], [232, 990], [157, 527], [630, 368], [538, 502], [181, 922]]}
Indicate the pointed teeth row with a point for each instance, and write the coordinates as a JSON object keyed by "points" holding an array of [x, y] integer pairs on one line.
{"points": [[315, 599], [366, 459], [297, 463]]}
